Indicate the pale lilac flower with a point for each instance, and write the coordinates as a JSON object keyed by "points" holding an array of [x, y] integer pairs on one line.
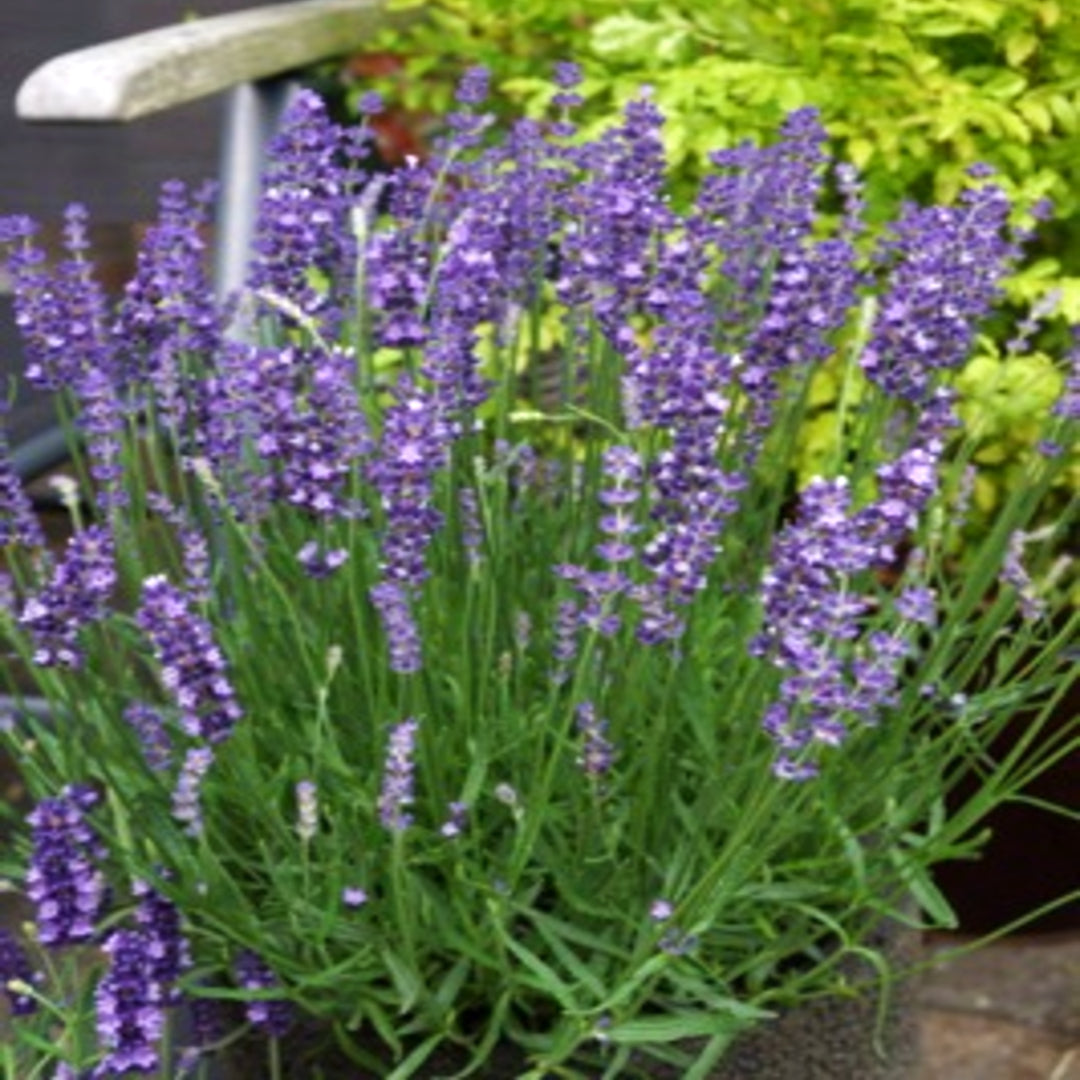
{"points": [[148, 723], [391, 601], [307, 810], [186, 806], [397, 787], [597, 753], [660, 910], [352, 896], [454, 824], [1014, 573]]}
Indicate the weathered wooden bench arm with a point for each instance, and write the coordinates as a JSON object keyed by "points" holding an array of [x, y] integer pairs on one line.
{"points": [[151, 72]]}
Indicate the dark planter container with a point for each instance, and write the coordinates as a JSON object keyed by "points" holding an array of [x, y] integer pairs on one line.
{"points": [[826, 1039], [1031, 859]]}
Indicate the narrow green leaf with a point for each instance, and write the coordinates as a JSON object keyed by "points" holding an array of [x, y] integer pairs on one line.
{"points": [[672, 1028]]}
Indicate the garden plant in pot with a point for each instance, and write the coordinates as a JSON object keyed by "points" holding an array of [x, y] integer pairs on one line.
{"points": [[393, 705]]}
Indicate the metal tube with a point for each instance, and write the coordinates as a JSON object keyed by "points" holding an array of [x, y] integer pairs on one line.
{"points": [[252, 115]]}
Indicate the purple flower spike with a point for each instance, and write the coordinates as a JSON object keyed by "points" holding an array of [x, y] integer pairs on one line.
{"points": [[947, 262], [14, 965], [168, 955], [565, 647], [454, 825], [597, 752], [302, 222], [148, 724], [274, 1017], [186, 807], [63, 881], [193, 669], [76, 596], [310, 429], [392, 603], [18, 522], [622, 467], [397, 787], [169, 313], [130, 1009]]}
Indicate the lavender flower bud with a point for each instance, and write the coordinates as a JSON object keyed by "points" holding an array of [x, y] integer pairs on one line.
{"points": [[307, 810]]}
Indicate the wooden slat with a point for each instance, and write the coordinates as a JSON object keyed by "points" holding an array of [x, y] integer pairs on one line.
{"points": [[148, 73]]}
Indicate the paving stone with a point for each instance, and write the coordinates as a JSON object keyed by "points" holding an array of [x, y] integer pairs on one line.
{"points": [[1032, 981], [958, 1046]]}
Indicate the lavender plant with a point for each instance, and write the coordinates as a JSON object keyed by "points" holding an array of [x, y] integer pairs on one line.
{"points": [[389, 697]]}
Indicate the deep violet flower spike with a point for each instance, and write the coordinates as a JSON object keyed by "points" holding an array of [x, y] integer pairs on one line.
{"points": [[63, 881], [168, 954], [302, 219], [947, 262], [18, 522], [15, 968], [473, 87], [269, 1015], [398, 781], [60, 311], [168, 310], [193, 669], [310, 428], [129, 1005], [76, 595], [414, 447]]}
